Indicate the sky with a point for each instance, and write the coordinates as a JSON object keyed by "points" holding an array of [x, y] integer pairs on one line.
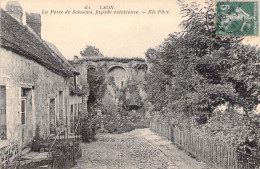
{"points": [[115, 35]]}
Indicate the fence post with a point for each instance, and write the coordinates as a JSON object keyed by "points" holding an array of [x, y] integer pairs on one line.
{"points": [[236, 161], [163, 127], [157, 128], [172, 134], [164, 131], [213, 150], [178, 140], [169, 132], [175, 136]]}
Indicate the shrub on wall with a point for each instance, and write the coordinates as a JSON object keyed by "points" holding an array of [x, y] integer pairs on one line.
{"points": [[129, 113]]}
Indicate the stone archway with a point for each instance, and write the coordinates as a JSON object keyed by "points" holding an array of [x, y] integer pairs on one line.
{"points": [[91, 67], [119, 74]]}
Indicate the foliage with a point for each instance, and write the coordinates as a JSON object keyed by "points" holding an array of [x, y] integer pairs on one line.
{"points": [[90, 51], [130, 96], [89, 125], [197, 68], [193, 71], [230, 127], [123, 109], [140, 66], [116, 118], [96, 80], [124, 121], [97, 87], [37, 132], [37, 142], [113, 59]]}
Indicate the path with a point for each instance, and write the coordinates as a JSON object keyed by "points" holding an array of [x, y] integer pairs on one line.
{"points": [[140, 148]]}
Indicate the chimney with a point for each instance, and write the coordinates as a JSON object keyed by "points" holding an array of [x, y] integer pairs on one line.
{"points": [[75, 60], [14, 9], [33, 20]]}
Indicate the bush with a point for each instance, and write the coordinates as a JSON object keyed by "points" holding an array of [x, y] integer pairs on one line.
{"points": [[38, 143], [124, 122]]}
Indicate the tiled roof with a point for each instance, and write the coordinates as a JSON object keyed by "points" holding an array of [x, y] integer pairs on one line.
{"points": [[19, 39], [60, 55]]}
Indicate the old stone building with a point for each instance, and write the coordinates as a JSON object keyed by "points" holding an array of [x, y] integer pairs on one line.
{"points": [[39, 88], [76, 94]]}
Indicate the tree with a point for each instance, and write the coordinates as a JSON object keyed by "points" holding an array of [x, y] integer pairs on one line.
{"points": [[97, 87], [91, 51], [194, 71]]}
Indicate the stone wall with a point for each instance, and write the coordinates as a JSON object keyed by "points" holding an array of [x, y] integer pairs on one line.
{"points": [[121, 71], [26, 80], [133, 69]]}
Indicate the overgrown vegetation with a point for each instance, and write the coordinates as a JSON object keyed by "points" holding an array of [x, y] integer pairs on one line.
{"points": [[114, 59], [125, 114], [97, 87], [193, 72]]}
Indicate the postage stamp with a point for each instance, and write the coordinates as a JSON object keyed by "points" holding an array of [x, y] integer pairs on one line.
{"points": [[237, 18]]}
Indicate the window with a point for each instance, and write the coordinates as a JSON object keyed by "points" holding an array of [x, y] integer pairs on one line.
{"points": [[71, 108], [3, 129], [52, 116], [76, 111], [79, 109], [61, 105], [23, 111], [71, 119], [71, 112], [66, 111], [75, 116], [23, 92]]}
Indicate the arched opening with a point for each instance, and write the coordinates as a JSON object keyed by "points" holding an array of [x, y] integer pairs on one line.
{"points": [[91, 68], [119, 75]]}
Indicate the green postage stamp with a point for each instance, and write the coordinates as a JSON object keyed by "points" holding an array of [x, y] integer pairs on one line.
{"points": [[237, 18]]}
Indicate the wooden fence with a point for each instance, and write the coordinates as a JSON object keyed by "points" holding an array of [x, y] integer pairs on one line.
{"points": [[217, 154]]}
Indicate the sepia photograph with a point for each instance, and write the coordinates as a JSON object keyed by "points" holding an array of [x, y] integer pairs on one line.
{"points": [[129, 84]]}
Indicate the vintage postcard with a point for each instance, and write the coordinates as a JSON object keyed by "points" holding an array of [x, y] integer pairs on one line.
{"points": [[129, 84]]}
